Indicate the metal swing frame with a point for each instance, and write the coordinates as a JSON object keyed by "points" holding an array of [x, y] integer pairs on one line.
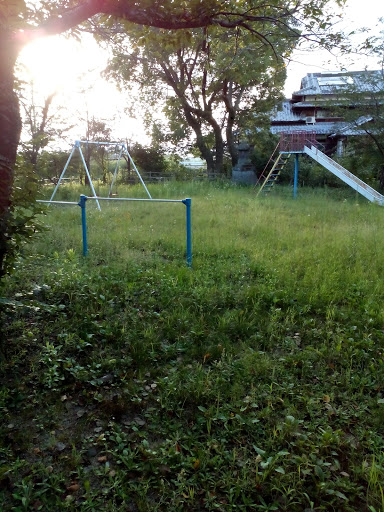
{"points": [[123, 151]]}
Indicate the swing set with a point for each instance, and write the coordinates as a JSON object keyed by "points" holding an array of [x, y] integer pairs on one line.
{"points": [[122, 153]]}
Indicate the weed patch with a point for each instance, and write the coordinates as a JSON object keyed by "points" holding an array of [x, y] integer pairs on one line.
{"points": [[253, 381]]}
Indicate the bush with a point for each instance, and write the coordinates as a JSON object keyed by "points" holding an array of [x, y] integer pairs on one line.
{"points": [[24, 221]]}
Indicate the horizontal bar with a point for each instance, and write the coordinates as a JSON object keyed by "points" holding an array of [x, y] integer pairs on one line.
{"points": [[103, 143], [56, 202], [135, 199]]}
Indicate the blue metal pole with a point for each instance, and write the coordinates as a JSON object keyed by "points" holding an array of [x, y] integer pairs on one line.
{"points": [[296, 177], [188, 203], [81, 203]]}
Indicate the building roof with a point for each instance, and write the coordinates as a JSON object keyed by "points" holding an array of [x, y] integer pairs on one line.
{"points": [[321, 128], [352, 128], [284, 112], [331, 129], [300, 113], [332, 82]]}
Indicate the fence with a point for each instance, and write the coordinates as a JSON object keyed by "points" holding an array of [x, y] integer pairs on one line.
{"points": [[158, 177], [294, 142]]}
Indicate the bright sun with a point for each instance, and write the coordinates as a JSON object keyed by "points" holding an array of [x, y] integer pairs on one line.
{"points": [[73, 70], [56, 63]]}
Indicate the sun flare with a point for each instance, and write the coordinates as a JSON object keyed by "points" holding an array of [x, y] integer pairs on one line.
{"points": [[73, 70], [55, 64]]}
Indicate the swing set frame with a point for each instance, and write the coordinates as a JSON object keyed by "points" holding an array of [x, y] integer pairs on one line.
{"points": [[123, 151]]}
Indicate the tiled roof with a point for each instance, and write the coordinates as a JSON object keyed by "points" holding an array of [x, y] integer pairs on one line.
{"points": [[285, 113], [329, 83], [321, 128], [352, 128], [327, 128], [291, 115], [304, 104]]}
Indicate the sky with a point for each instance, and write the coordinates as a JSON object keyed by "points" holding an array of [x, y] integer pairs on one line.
{"points": [[74, 70], [357, 14]]}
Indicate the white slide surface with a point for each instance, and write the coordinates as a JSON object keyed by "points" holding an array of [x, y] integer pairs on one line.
{"points": [[350, 179]]}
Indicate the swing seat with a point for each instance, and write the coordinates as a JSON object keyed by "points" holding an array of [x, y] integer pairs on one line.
{"points": [[113, 195]]}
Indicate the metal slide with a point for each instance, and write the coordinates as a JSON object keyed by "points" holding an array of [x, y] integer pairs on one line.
{"points": [[346, 176]]}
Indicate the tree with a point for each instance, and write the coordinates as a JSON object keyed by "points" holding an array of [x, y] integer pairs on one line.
{"points": [[359, 101], [51, 165], [38, 130], [21, 22], [215, 80], [42, 124], [97, 131], [365, 114]]}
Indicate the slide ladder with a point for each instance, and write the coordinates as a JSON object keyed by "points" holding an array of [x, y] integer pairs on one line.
{"points": [[350, 179], [270, 177]]}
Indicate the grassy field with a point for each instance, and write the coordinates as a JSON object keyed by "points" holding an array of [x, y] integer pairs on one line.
{"points": [[254, 381]]}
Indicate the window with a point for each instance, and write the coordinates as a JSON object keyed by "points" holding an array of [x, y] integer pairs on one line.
{"points": [[334, 81]]}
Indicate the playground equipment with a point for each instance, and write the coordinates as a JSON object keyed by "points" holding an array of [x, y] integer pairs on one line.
{"points": [[83, 198], [122, 151], [302, 142], [82, 203]]}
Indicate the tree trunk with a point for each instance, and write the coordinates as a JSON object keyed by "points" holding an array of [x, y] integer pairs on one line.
{"points": [[205, 153], [232, 146], [381, 177], [219, 142], [10, 128], [87, 159], [232, 111], [200, 143], [219, 149]]}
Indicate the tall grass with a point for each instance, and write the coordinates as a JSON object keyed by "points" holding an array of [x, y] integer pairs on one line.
{"points": [[253, 381], [319, 246]]}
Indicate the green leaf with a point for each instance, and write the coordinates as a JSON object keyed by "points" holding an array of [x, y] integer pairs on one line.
{"points": [[259, 450], [341, 495]]}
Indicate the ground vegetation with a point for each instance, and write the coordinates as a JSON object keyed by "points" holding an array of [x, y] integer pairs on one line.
{"points": [[253, 381]]}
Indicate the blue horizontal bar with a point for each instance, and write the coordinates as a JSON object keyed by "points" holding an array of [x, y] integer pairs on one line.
{"points": [[55, 202], [135, 199]]}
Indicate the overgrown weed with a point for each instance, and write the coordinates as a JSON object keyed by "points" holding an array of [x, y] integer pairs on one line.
{"points": [[252, 382]]}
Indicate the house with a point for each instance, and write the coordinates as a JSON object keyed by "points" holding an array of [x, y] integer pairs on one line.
{"points": [[312, 107], [195, 163]]}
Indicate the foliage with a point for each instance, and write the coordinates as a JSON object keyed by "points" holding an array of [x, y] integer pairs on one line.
{"points": [[361, 104], [153, 161], [367, 112], [51, 165], [363, 158], [208, 80], [42, 124], [148, 158], [176, 169], [25, 215], [264, 144], [97, 130], [252, 382]]}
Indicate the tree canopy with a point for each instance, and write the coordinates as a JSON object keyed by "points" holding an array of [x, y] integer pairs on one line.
{"points": [[23, 21], [361, 105], [214, 77]]}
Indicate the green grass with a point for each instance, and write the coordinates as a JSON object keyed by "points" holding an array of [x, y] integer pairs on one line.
{"points": [[253, 381]]}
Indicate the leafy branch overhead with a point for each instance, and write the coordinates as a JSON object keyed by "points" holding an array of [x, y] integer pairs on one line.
{"points": [[304, 18]]}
